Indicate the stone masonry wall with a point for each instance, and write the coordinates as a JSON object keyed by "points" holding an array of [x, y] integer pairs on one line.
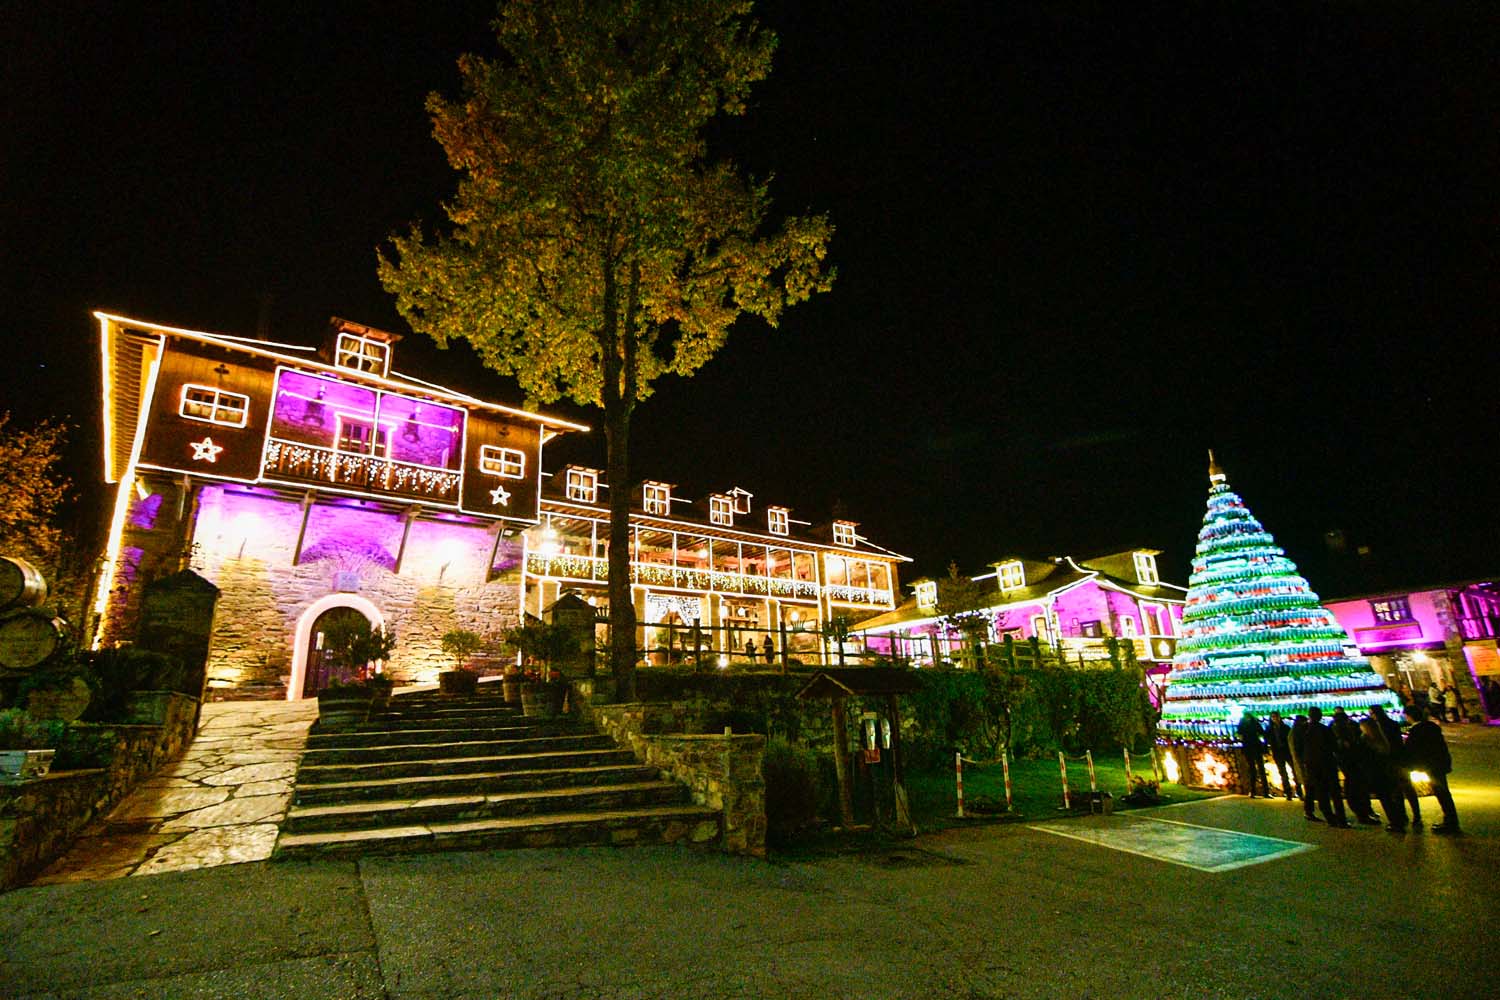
{"points": [[40, 818], [722, 772], [244, 542]]}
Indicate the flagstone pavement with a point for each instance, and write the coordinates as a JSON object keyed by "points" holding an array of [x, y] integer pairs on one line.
{"points": [[220, 803]]}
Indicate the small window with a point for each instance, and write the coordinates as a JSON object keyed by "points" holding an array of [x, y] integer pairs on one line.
{"points": [[1145, 568], [583, 485], [507, 463], [721, 510], [843, 533], [1041, 628], [363, 354], [1153, 620], [1012, 575], [927, 594], [1090, 630], [657, 498], [1389, 610], [214, 406], [776, 520], [1128, 629]]}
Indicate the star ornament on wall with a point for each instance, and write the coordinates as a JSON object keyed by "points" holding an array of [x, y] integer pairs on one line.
{"points": [[206, 450], [500, 495]]}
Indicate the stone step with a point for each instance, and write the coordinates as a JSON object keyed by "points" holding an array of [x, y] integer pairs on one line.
{"points": [[425, 785], [687, 824], [428, 731], [309, 775], [397, 750], [539, 803]]}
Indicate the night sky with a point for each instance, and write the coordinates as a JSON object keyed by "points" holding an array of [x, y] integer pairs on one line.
{"points": [[1078, 244]]}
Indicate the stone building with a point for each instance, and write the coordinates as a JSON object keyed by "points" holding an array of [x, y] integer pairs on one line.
{"points": [[310, 483]]}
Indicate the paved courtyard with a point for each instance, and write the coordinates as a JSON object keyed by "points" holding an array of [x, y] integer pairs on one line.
{"points": [[1002, 910]]}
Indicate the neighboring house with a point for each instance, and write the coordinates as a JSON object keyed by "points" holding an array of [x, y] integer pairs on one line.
{"points": [[311, 483], [1070, 604], [715, 572], [1445, 635]]}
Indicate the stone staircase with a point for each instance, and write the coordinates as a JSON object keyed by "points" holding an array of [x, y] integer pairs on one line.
{"points": [[438, 773]]}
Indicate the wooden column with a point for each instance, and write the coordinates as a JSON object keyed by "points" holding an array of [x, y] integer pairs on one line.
{"points": [[841, 762], [898, 765]]}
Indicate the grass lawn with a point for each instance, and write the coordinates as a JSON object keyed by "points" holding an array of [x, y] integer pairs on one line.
{"points": [[1036, 789]]}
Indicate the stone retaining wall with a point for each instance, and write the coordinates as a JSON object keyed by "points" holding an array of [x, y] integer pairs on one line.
{"points": [[40, 818], [721, 772]]}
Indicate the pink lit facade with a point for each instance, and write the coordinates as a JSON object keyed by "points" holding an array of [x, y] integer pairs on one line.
{"points": [[1442, 635], [1073, 605]]}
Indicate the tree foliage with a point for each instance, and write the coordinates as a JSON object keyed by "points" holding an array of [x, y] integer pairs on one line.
{"points": [[33, 491], [592, 246]]}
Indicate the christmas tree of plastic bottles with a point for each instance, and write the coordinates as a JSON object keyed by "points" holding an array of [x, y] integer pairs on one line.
{"points": [[1255, 638]]}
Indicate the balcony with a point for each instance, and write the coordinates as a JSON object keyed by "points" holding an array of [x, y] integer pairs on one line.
{"points": [[382, 477], [595, 569]]}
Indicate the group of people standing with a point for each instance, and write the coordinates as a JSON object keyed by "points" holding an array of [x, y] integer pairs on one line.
{"points": [[1373, 757]]}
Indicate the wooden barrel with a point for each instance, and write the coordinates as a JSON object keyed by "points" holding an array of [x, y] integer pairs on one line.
{"points": [[28, 638], [21, 584]]}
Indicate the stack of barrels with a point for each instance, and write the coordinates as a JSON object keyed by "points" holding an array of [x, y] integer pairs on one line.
{"points": [[28, 637]]}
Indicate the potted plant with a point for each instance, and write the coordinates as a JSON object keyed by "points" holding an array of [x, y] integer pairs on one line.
{"points": [[381, 686], [462, 679], [353, 648], [510, 685], [554, 692], [543, 645], [27, 745], [531, 693]]}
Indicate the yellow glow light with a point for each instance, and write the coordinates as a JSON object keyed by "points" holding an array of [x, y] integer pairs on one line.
{"points": [[1213, 772], [1169, 764]]}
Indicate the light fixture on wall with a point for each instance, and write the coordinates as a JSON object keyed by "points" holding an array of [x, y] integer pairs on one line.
{"points": [[411, 432], [312, 412]]}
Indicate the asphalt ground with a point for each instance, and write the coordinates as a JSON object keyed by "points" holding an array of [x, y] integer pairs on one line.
{"points": [[995, 910]]}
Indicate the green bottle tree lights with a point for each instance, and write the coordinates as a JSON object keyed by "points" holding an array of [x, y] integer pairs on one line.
{"points": [[1255, 638]]}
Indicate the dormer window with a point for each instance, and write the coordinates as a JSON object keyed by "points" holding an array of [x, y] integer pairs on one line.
{"points": [[721, 510], [362, 354], [582, 485], [1145, 568], [927, 594], [1012, 575], [777, 521], [656, 498], [843, 533], [741, 500]]}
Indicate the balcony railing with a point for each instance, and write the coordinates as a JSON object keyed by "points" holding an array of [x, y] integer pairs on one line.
{"points": [[312, 464], [596, 569], [1483, 627]]}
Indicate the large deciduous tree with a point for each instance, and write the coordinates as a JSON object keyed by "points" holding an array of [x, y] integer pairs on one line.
{"points": [[33, 491], [593, 246]]}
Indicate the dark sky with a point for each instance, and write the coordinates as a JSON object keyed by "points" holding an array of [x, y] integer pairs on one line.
{"points": [[1078, 243]]}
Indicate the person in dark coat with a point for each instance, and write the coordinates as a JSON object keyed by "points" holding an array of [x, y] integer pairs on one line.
{"points": [[1427, 751], [1400, 774], [1255, 753], [769, 650], [750, 650], [1278, 738], [1321, 770], [1299, 747], [1382, 773], [1349, 747]]}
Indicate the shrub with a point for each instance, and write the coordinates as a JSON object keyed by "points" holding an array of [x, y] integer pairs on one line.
{"points": [[19, 731], [794, 789], [114, 674]]}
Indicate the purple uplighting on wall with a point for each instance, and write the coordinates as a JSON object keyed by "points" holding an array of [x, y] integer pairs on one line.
{"points": [[327, 413]]}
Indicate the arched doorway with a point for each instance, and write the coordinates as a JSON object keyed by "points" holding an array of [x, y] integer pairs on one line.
{"points": [[308, 670], [320, 671]]}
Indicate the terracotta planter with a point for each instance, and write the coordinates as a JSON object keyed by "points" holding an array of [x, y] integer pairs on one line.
{"points": [[510, 687], [342, 709], [459, 682], [19, 765]]}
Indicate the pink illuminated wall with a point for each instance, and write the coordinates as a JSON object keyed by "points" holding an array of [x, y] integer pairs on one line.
{"points": [[1423, 627]]}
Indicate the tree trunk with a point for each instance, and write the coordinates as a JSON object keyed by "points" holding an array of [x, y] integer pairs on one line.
{"points": [[622, 651]]}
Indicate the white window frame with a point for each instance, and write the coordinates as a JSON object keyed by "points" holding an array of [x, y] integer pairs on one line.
{"points": [[215, 405], [507, 463], [656, 498], [1145, 568], [582, 485], [778, 520], [843, 534], [1129, 627], [1044, 632], [927, 594], [721, 510], [1012, 575], [359, 357]]}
